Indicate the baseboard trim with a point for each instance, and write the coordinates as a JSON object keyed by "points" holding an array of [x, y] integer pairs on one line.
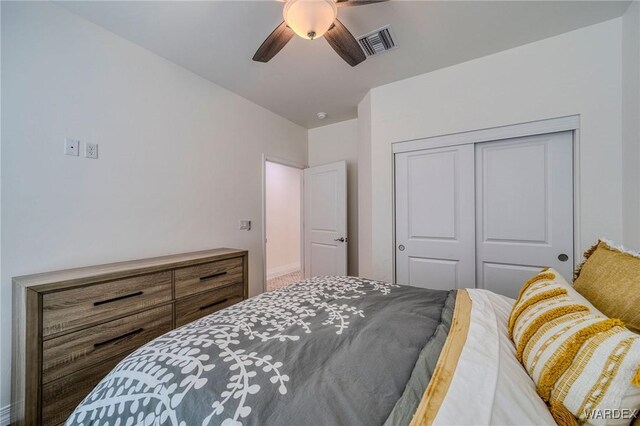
{"points": [[5, 415], [282, 270]]}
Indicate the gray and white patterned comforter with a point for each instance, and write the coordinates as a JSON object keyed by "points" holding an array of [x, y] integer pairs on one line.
{"points": [[329, 350]]}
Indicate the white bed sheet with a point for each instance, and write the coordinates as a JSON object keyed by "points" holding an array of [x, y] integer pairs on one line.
{"points": [[490, 386]]}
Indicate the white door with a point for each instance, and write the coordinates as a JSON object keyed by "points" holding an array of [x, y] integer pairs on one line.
{"points": [[524, 209], [325, 220], [435, 218]]}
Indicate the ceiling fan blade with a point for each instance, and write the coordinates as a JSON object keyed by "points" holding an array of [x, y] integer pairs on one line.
{"points": [[274, 43], [345, 44], [349, 3]]}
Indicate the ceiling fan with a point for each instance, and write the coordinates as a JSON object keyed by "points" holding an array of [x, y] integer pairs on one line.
{"points": [[312, 19]]}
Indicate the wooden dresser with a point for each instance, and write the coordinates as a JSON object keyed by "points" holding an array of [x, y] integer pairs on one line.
{"points": [[70, 328]]}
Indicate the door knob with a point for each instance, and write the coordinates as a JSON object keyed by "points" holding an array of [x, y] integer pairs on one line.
{"points": [[340, 240], [401, 247], [563, 257]]}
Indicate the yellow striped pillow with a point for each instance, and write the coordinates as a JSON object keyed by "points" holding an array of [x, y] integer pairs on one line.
{"points": [[585, 366]]}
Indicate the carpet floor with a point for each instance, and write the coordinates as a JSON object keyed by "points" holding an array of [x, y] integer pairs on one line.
{"points": [[283, 280]]}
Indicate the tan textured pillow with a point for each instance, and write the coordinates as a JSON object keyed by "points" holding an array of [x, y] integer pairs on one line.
{"points": [[610, 279]]}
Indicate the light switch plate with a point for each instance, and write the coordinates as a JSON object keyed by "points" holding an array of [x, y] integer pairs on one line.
{"points": [[71, 147], [91, 150]]}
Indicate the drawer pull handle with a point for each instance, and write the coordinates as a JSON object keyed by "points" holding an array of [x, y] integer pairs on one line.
{"points": [[209, 277], [124, 296], [202, 308], [129, 334]]}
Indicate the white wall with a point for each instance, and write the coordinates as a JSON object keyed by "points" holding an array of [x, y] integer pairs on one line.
{"points": [[631, 125], [283, 217], [337, 142], [180, 158], [365, 190], [574, 73]]}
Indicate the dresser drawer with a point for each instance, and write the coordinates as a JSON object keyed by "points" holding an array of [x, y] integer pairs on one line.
{"points": [[199, 278], [194, 307], [64, 355], [83, 306], [61, 397]]}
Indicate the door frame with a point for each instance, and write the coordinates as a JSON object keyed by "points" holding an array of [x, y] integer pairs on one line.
{"points": [[530, 128], [288, 163]]}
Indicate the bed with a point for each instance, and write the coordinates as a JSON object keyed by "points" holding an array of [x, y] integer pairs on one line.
{"points": [[329, 350]]}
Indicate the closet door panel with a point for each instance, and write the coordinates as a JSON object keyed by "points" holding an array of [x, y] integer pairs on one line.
{"points": [[433, 273], [435, 227], [524, 209], [431, 198], [506, 279], [515, 187]]}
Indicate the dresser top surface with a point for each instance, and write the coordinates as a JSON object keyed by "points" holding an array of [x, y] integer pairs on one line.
{"points": [[77, 276]]}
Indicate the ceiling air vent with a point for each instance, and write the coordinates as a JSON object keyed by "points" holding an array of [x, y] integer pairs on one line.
{"points": [[377, 41]]}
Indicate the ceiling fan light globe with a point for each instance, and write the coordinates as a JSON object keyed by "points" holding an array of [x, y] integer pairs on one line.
{"points": [[310, 19]]}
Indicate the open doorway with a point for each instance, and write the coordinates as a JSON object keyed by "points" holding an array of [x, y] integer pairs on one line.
{"points": [[283, 227]]}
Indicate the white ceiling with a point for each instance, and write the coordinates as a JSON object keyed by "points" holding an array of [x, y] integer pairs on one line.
{"points": [[216, 40]]}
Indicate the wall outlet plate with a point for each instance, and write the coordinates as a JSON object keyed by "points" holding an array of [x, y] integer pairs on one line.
{"points": [[71, 146], [245, 225], [91, 150]]}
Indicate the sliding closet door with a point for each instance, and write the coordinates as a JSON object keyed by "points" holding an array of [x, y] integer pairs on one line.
{"points": [[524, 209], [435, 223]]}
